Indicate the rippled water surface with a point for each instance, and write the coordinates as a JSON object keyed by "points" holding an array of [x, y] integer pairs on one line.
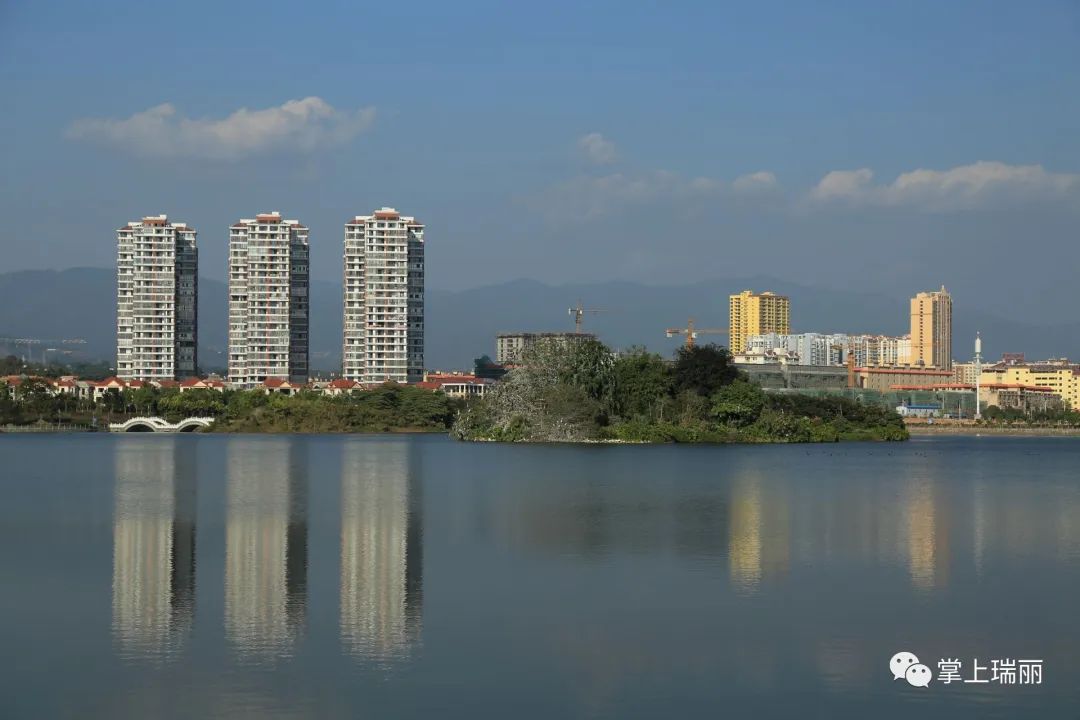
{"points": [[412, 576]]}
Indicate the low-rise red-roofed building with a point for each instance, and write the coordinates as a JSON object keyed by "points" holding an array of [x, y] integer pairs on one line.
{"points": [[456, 385], [109, 384], [340, 386], [209, 383], [280, 386], [65, 385]]}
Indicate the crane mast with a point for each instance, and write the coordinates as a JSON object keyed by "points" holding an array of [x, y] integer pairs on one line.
{"points": [[578, 313]]}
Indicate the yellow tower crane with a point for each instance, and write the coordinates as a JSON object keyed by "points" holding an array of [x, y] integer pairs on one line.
{"points": [[691, 332]]}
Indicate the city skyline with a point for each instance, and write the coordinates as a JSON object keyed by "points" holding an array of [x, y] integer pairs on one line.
{"points": [[383, 273], [269, 300], [383, 312]]}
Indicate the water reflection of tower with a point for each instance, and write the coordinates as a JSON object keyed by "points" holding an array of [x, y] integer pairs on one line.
{"points": [[153, 545], [927, 537], [978, 513], [760, 532], [745, 546], [381, 550], [266, 546]]}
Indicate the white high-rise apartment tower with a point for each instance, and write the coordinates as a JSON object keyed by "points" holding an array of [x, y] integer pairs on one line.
{"points": [[384, 298], [157, 283], [268, 300]]}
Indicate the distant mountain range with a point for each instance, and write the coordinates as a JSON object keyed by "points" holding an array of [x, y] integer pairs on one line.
{"points": [[80, 303]]}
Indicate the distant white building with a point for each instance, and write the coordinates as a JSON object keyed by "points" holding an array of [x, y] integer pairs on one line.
{"points": [[882, 350], [157, 283], [919, 411], [268, 301], [383, 298], [774, 356], [833, 349], [808, 348]]}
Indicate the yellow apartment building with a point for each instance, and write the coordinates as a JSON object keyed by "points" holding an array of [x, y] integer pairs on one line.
{"points": [[757, 314], [884, 379], [931, 329], [964, 373], [1062, 378]]}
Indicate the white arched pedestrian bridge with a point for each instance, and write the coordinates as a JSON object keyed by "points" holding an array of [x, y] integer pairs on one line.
{"points": [[161, 425]]}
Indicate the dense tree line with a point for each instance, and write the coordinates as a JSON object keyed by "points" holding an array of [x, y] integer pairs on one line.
{"points": [[386, 408], [34, 402], [582, 392], [994, 415]]}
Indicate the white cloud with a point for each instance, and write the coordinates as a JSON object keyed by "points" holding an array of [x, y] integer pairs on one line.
{"points": [[298, 125], [597, 149], [595, 196], [755, 182], [842, 184], [964, 187]]}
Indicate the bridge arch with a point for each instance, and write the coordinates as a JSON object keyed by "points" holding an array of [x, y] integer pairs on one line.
{"points": [[192, 425], [139, 426]]}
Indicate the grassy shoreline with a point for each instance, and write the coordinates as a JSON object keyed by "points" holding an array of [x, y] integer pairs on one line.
{"points": [[1022, 431]]}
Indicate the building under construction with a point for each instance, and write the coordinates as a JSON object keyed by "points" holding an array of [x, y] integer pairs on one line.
{"points": [[509, 347]]}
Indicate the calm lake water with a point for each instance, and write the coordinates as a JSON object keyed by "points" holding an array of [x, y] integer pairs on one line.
{"points": [[411, 576]]}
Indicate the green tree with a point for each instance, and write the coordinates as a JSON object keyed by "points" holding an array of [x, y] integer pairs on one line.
{"points": [[112, 401], [642, 382], [202, 402], [702, 369], [570, 413], [737, 404], [35, 398], [590, 366], [423, 408], [9, 411], [690, 409], [143, 400], [485, 367]]}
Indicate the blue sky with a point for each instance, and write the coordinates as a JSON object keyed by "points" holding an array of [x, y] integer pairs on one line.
{"points": [[660, 142]]}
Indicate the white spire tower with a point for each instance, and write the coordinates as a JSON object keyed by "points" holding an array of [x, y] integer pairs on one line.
{"points": [[978, 374]]}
